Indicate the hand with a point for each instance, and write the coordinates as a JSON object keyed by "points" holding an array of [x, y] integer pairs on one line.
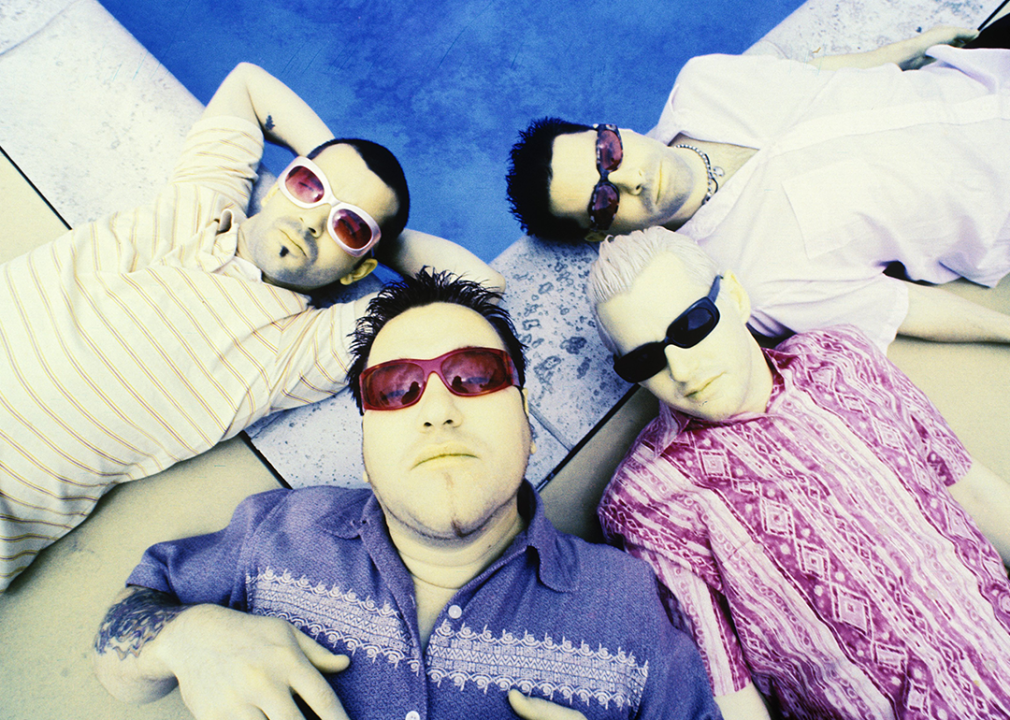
{"points": [[233, 665], [539, 709], [940, 35]]}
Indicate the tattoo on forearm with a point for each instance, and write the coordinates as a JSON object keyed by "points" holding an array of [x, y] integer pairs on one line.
{"points": [[269, 122], [135, 621]]}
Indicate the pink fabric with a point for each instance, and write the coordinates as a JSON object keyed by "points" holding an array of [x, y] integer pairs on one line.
{"points": [[814, 548]]}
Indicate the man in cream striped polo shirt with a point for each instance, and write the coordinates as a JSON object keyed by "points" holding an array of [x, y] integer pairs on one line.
{"points": [[148, 336]]}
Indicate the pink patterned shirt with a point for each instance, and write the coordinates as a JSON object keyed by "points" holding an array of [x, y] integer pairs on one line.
{"points": [[814, 548]]}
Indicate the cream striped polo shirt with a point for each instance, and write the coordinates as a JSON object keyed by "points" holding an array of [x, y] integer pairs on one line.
{"points": [[140, 340]]}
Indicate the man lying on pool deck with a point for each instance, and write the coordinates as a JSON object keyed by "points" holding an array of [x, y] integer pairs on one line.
{"points": [[453, 594], [828, 538], [149, 336], [809, 180]]}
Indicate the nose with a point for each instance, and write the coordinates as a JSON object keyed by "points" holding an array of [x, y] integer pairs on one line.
{"points": [[438, 407], [628, 178], [315, 218], [681, 363]]}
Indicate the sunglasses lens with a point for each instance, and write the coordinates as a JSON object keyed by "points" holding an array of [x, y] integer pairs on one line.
{"points": [[394, 386], [603, 206], [693, 326], [641, 363], [609, 151], [466, 372], [685, 332], [350, 229], [475, 372], [304, 185]]}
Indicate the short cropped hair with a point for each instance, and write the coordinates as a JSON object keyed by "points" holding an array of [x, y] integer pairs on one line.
{"points": [[624, 257], [423, 289], [529, 180], [381, 161]]}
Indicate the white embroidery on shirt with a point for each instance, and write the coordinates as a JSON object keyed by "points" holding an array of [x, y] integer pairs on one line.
{"points": [[510, 661], [337, 615]]}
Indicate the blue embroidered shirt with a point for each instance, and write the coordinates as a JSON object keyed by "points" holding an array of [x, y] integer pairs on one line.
{"points": [[555, 616]]}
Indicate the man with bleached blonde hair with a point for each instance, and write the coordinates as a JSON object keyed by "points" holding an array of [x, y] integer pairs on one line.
{"points": [[835, 549]]}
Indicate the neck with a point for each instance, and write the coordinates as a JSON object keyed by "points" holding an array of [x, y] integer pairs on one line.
{"points": [[761, 393], [452, 564], [695, 190], [440, 570]]}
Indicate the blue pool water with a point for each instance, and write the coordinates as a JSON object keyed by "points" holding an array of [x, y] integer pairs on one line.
{"points": [[447, 84]]}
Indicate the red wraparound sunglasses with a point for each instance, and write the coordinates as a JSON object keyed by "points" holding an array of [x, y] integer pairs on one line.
{"points": [[606, 197], [466, 372], [353, 229]]}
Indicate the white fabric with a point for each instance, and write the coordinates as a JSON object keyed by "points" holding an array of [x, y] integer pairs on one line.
{"points": [[853, 169], [140, 340]]}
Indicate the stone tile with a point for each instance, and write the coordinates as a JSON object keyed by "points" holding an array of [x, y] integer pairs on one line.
{"points": [[834, 27], [89, 116], [571, 382], [20, 19]]}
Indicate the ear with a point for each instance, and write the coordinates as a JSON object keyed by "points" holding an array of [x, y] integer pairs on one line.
{"points": [[361, 271], [734, 289], [595, 236], [526, 409]]}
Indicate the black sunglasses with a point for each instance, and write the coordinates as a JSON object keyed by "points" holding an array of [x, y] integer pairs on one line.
{"points": [[690, 328], [606, 197]]}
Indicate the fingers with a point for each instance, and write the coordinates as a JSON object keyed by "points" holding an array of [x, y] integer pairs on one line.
{"points": [[539, 709], [239, 663], [316, 693], [319, 656], [946, 34]]}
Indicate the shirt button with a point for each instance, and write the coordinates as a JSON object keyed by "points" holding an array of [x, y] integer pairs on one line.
{"points": [[413, 715], [455, 611]]}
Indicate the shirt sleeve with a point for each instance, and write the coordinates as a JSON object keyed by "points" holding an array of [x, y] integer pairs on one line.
{"points": [[207, 568], [315, 356], [876, 306], [665, 532], [738, 99], [223, 155], [678, 686], [942, 452]]}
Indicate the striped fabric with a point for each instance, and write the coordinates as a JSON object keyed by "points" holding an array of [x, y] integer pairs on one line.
{"points": [[815, 550], [140, 340]]}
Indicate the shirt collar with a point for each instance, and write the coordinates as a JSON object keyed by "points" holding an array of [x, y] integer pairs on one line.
{"points": [[557, 564]]}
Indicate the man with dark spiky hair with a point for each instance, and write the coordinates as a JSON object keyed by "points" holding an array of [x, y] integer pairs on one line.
{"points": [[444, 581], [811, 180]]}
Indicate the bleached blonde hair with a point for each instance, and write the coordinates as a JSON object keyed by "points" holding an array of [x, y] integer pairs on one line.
{"points": [[624, 257]]}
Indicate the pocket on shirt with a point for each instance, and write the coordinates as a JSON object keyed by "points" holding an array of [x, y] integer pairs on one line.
{"points": [[833, 205]]}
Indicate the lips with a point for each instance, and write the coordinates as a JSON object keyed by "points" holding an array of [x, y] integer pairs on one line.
{"points": [[296, 243], [444, 450], [696, 391]]}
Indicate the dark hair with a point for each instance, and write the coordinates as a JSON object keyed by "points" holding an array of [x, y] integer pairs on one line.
{"points": [[423, 289], [383, 163], [529, 180]]}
